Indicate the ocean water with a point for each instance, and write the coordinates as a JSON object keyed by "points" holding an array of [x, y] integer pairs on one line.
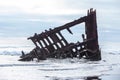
{"points": [[57, 69], [14, 45]]}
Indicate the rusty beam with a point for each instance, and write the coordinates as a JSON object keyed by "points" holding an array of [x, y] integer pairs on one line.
{"points": [[53, 44]]}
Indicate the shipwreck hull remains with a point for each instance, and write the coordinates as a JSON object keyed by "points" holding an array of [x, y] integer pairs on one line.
{"points": [[52, 44]]}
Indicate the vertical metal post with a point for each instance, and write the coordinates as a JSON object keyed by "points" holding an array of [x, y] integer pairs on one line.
{"points": [[91, 33]]}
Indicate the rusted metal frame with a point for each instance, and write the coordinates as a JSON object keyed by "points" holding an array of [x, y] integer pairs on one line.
{"points": [[50, 46], [91, 32], [38, 40], [58, 29], [55, 39], [71, 24], [91, 29], [79, 52], [47, 47], [63, 39], [43, 36], [90, 43], [66, 26]]}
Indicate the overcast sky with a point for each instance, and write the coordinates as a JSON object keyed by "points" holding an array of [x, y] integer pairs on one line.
{"points": [[22, 18]]}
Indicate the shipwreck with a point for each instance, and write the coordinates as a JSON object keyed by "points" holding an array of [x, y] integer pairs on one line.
{"points": [[52, 44]]}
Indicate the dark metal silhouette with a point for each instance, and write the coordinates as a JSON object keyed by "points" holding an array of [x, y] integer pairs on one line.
{"points": [[52, 44], [92, 78]]}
